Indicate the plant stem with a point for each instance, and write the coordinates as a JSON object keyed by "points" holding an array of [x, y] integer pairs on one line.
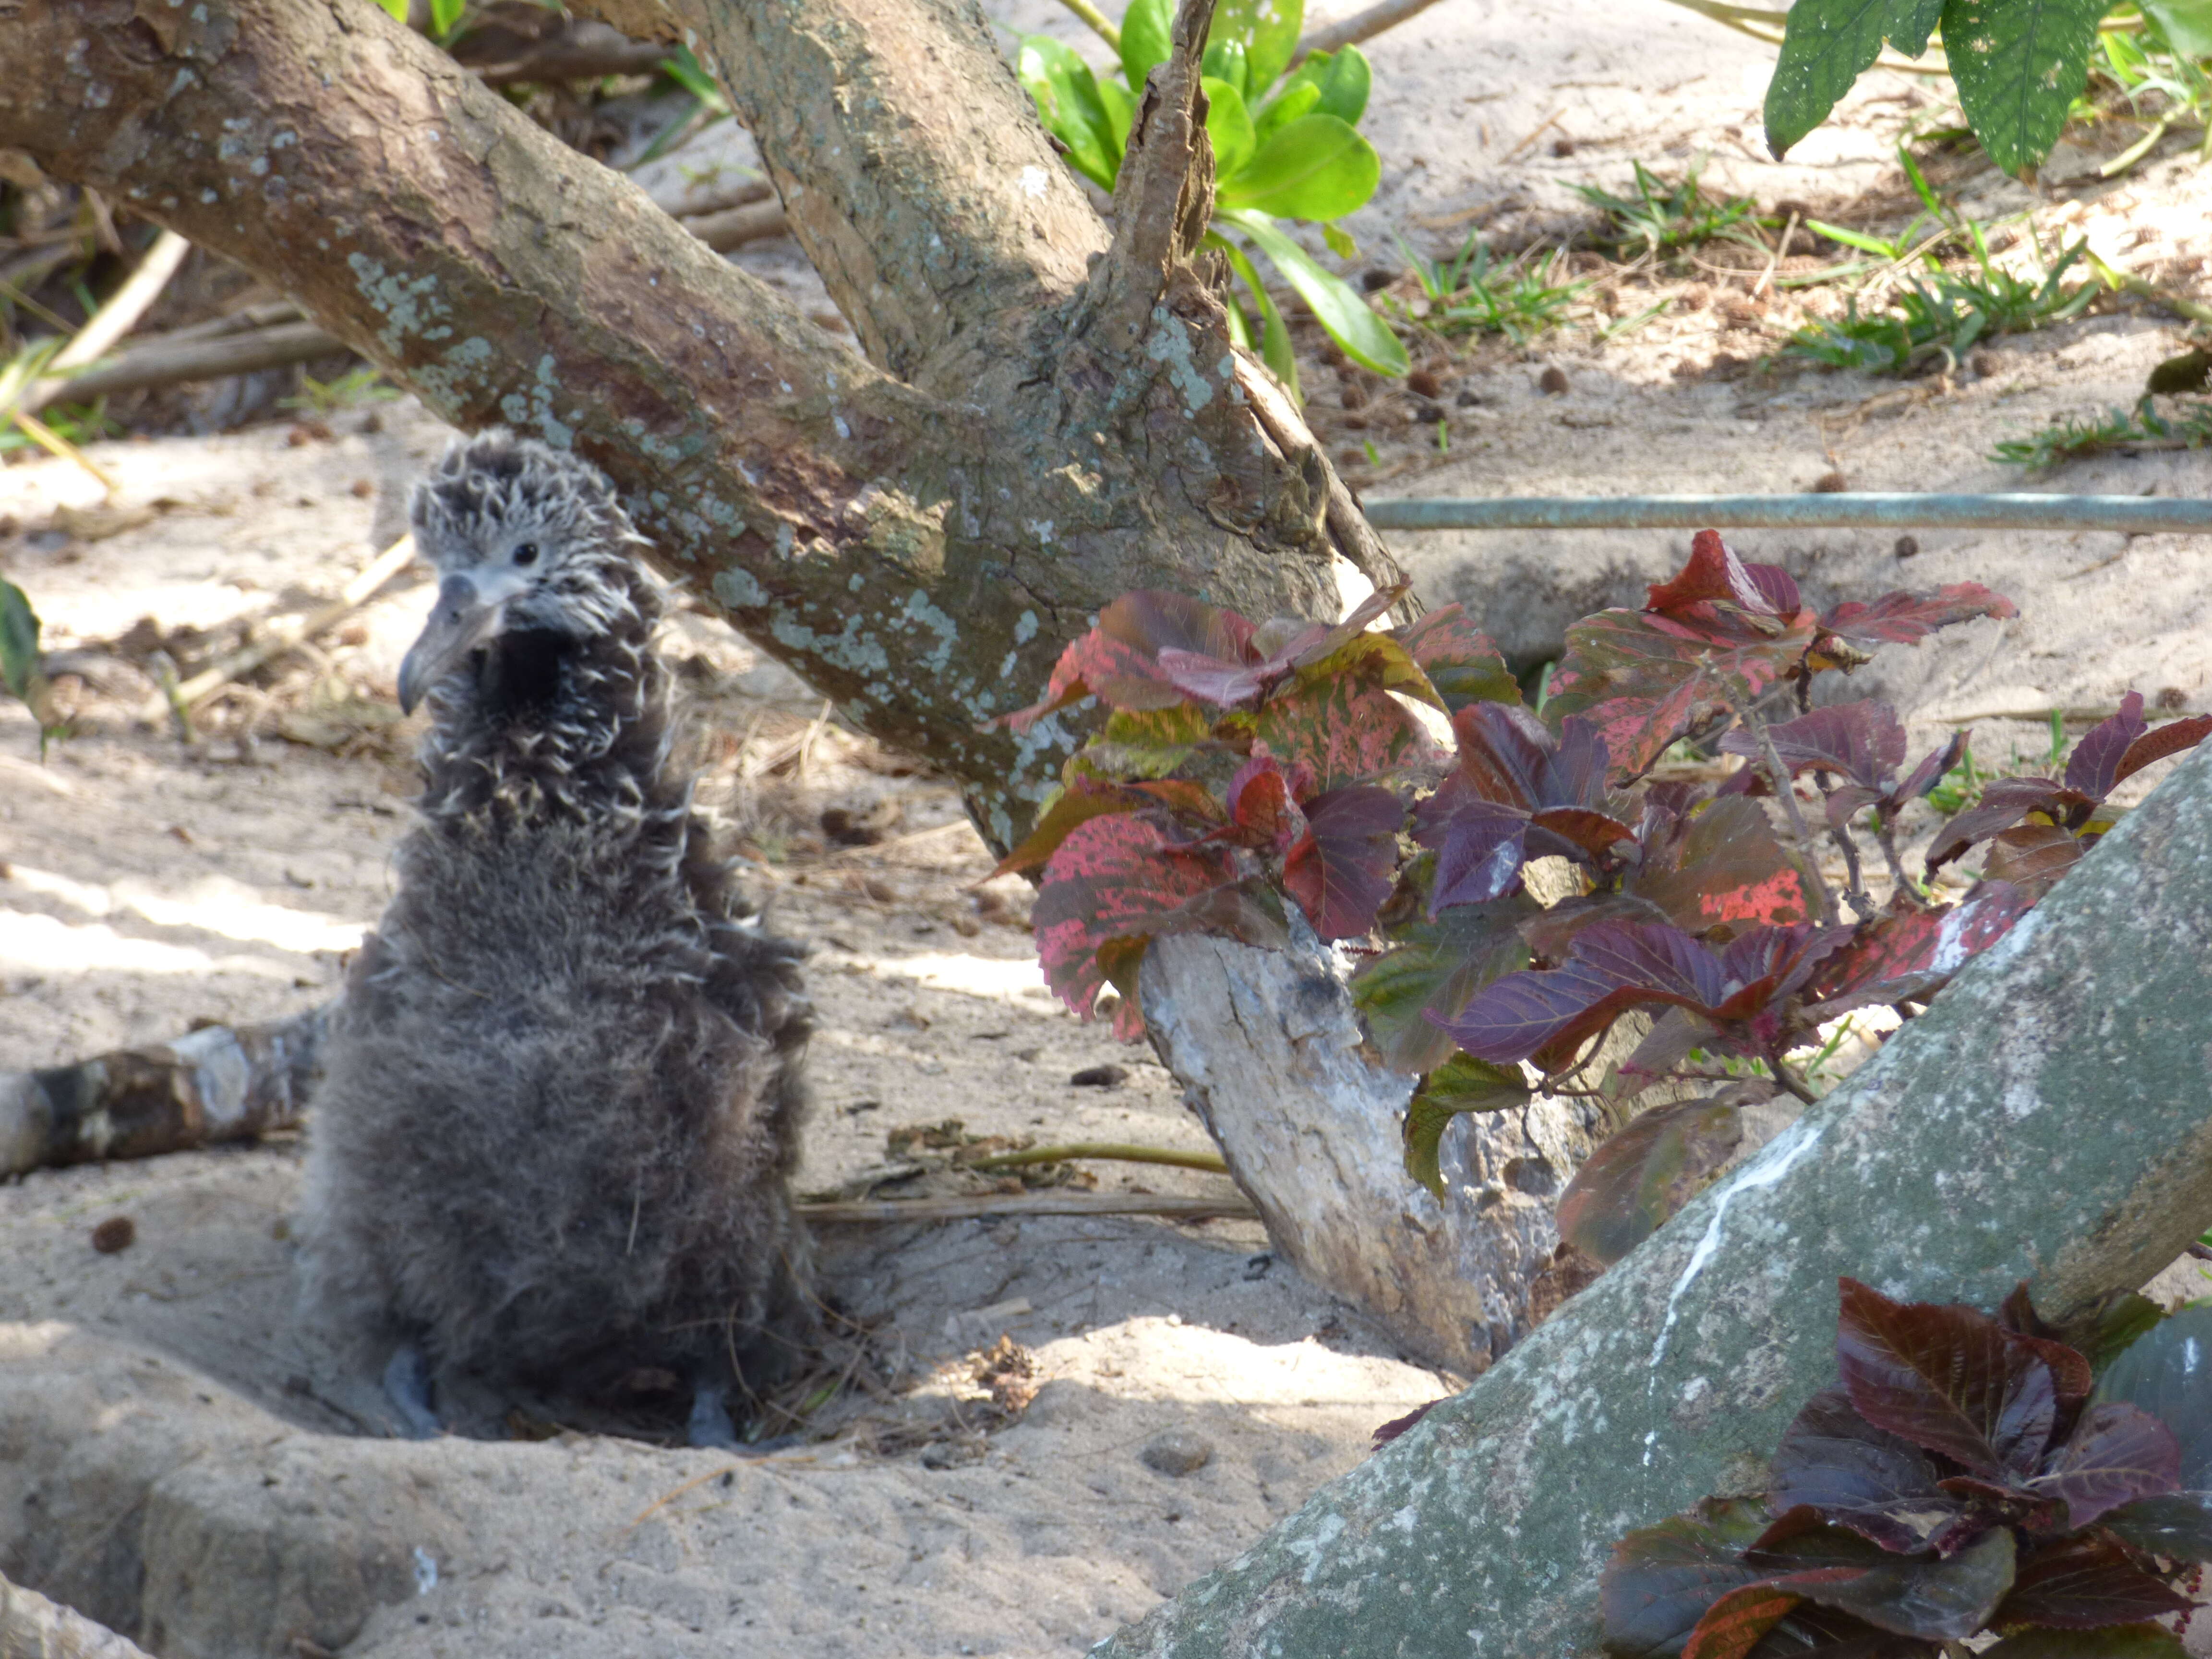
{"points": [[1787, 1079], [1777, 775], [1855, 893], [1097, 20]]}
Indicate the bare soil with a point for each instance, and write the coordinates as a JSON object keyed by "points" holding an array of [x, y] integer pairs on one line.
{"points": [[183, 1461]]}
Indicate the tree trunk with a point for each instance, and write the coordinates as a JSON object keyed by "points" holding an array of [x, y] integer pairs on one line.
{"points": [[1048, 418], [2048, 1119], [1245, 1031]]}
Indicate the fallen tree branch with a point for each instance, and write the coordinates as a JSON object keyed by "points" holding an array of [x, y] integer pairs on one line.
{"points": [[2045, 1120], [1361, 26], [219, 1082], [1112, 1151], [1229, 1207], [32, 1627], [275, 643], [167, 362], [734, 226], [114, 320]]}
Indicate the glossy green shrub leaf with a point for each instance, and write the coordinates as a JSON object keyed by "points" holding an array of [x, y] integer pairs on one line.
{"points": [[1147, 31], [1826, 45], [396, 9], [1228, 128], [1643, 1175], [1121, 107], [1460, 1085], [1343, 79], [1267, 30], [2019, 65], [1314, 167], [1296, 98], [19, 642], [445, 14], [2186, 24], [2168, 1373], [1225, 60], [1067, 96], [1436, 967], [1365, 338]]}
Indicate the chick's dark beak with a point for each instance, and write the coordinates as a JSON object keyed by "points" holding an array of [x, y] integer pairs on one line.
{"points": [[462, 619]]}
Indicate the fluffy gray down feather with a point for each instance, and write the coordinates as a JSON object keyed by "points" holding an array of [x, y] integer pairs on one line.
{"points": [[555, 1136]]}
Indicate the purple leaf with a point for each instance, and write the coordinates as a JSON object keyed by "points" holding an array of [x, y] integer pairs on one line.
{"points": [[2118, 1453], [1863, 741], [1722, 867], [2082, 1584], [1610, 968], [1480, 857], [1339, 872], [2004, 803], [1878, 1483], [2095, 766], [1641, 1175], [1913, 953], [1929, 773], [1947, 1378], [1661, 1579]]}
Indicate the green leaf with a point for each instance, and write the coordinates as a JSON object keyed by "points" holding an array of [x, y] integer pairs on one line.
{"points": [[1227, 127], [1461, 1083], [396, 9], [1826, 45], [19, 642], [2019, 65], [2186, 24], [1314, 167], [1225, 60], [2165, 1373], [1646, 1172], [1339, 241], [1275, 337], [446, 16], [1067, 96], [1365, 338], [1121, 106], [1344, 81], [1147, 31], [1297, 98], [1437, 965], [1268, 32]]}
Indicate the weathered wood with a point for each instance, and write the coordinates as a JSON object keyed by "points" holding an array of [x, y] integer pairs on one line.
{"points": [[219, 1082], [1269, 1052], [883, 1211], [2048, 1118]]}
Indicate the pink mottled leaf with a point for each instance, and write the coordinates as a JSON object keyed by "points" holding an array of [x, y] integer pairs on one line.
{"points": [[1903, 618], [1863, 741], [1081, 801], [1722, 868], [1460, 660], [1912, 953], [1344, 730]]}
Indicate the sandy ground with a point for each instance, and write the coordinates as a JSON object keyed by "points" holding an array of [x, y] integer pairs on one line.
{"points": [[179, 1457]]}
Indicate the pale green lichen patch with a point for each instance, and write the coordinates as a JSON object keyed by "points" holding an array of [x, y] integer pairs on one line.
{"points": [[1168, 345], [412, 306]]}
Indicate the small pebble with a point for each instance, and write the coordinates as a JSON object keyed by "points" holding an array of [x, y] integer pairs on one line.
{"points": [[1552, 382], [118, 1232], [1906, 548], [1177, 1452], [1101, 1076]]}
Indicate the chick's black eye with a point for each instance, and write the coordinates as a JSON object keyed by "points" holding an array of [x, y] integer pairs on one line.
{"points": [[527, 554]]}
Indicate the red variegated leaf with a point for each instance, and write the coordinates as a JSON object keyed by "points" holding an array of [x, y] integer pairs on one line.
{"points": [[1119, 661], [2033, 857], [1863, 741], [1912, 953], [1907, 619], [1266, 656], [1081, 802], [2004, 803], [1733, 1625], [2095, 766], [1116, 672], [1118, 878], [1343, 729], [1948, 1379], [1644, 680], [2118, 1453], [1263, 811], [1721, 868], [1590, 834], [2160, 741], [1718, 589], [1339, 872], [1459, 660], [1641, 1175], [2082, 1584], [1661, 1579], [1184, 798]]}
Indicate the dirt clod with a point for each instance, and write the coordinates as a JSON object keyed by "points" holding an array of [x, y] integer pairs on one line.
{"points": [[1177, 1452], [1907, 547], [1552, 382], [1101, 1076]]}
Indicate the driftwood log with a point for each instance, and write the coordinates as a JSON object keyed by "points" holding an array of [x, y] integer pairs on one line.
{"points": [[32, 1627]]}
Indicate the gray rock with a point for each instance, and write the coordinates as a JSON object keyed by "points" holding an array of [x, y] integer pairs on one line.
{"points": [[1176, 1452]]}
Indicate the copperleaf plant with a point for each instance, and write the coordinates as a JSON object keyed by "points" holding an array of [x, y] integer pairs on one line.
{"points": [[1388, 787], [1970, 1477]]}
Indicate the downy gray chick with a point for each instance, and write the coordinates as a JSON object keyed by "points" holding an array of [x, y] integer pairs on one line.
{"points": [[553, 1141]]}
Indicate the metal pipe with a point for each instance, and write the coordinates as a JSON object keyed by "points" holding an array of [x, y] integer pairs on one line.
{"points": [[2128, 514]]}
